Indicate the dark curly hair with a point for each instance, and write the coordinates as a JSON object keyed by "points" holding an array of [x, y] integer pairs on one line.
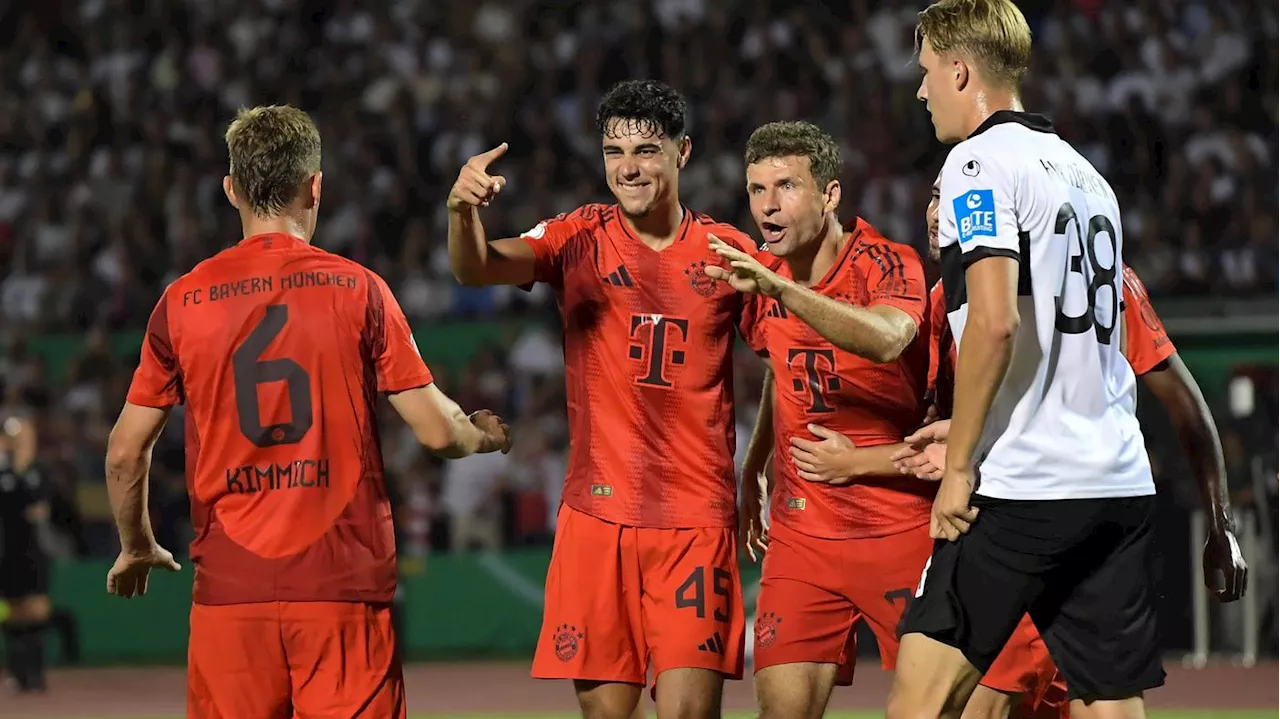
{"points": [[656, 107]]}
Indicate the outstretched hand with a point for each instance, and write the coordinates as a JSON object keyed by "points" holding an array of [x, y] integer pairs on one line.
{"points": [[745, 273]]}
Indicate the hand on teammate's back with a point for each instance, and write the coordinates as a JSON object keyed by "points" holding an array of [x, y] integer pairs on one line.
{"points": [[128, 576], [1225, 571], [497, 436], [475, 186]]}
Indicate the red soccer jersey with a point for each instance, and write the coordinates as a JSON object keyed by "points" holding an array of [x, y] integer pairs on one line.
{"points": [[942, 353], [870, 403], [278, 350], [648, 339], [1147, 344]]}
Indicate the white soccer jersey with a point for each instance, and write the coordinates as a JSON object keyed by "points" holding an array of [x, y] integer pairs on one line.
{"points": [[1062, 425]]}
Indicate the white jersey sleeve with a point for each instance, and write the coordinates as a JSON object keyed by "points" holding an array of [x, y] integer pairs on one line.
{"points": [[978, 197]]}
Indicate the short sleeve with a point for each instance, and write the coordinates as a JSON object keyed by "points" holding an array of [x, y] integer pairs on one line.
{"points": [[157, 382], [977, 206], [1147, 343], [548, 240], [397, 362], [896, 279]]}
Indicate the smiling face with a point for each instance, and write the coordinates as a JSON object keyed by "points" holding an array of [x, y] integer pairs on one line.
{"points": [[787, 204], [642, 164], [931, 219]]}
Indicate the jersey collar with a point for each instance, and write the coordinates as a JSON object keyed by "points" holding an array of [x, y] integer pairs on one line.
{"points": [[1029, 120], [270, 239]]}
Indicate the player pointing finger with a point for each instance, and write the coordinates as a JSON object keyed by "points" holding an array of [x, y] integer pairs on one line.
{"points": [[747, 274], [475, 186]]}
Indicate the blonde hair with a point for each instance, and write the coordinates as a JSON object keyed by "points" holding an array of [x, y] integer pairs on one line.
{"points": [[272, 150], [992, 33]]}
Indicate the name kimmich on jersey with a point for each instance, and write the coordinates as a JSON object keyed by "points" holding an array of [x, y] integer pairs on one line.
{"points": [[1015, 189]]}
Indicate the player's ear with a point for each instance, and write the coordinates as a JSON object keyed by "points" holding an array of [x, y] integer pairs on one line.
{"points": [[682, 154], [313, 187], [831, 196], [962, 72], [229, 188]]}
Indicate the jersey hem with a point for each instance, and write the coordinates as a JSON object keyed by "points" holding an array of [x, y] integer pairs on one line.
{"points": [[877, 533], [731, 523], [1098, 493]]}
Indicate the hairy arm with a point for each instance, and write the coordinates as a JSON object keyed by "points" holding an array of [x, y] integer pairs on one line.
{"points": [[879, 333], [439, 423], [128, 468], [985, 352], [475, 261], [1177, 390]]}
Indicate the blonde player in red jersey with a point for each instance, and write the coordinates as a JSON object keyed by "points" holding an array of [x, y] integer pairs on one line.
{"points": [[278, 350], [839, 316], [644, 571]]}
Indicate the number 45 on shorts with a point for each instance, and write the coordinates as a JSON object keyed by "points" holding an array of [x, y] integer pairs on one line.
{"points": [[692, 594]]}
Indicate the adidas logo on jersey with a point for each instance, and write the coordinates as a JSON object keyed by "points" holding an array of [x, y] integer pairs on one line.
{"points": [[619, 277], [714, 644]]}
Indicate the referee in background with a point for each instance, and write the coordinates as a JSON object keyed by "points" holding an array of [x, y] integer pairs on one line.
{"points": [[24, 566]]}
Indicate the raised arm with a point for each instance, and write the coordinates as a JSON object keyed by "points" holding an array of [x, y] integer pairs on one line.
{"points": [[472, 257]]}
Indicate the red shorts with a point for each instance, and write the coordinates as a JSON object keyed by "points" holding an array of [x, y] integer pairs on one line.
{"points": [[621, 598], [270, 660], [1024, 667], [813, 591]]}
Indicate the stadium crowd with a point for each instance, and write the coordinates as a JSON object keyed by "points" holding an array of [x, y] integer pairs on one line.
{"points": [[111, 165]]}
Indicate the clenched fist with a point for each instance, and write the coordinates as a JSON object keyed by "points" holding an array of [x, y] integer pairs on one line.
{"points": [[475, 186]]}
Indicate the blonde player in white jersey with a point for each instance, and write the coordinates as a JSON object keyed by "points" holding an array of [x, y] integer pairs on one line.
{"points": [[1046, 500]]}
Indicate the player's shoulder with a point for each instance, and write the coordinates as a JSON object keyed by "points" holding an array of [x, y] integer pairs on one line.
{"points": [[999, 147], [591, 215], [705, 224], [871, 243]]}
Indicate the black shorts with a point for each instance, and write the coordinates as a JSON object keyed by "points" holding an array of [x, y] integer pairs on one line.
{"points": [[1081, 567], [24, 575]]}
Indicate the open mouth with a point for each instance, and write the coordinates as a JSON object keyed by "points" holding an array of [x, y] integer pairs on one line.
{"points": [[772, 232], [632, 186]]}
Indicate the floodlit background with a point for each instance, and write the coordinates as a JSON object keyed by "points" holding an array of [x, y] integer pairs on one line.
{"points": [[111, 159]]}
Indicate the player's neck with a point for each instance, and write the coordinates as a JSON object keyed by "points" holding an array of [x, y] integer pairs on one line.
{"points": [[253, 225], [658, 228], [810, 267], [987, 102]]}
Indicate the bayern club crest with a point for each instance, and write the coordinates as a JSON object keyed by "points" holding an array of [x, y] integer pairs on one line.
{"points": [[699, 280]]}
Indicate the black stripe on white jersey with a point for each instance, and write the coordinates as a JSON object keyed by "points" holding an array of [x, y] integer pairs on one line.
{"points": [[955, 262]]}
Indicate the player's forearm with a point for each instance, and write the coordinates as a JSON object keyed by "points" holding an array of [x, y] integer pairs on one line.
{"points": [[464, 438], [760, 446], [983, 359], [859, 330], [1193, 421], [127, 490], [871, 461], [468, 246]]}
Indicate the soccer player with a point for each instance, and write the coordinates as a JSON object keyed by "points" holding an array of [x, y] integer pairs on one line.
{"points": [[278, 351], [644, 570], [1044, 401], [839, 311], [1152, 355]]}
